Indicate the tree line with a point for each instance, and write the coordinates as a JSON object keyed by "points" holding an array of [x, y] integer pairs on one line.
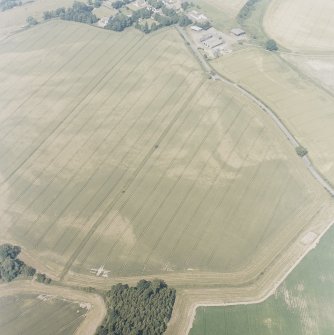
{"points": [[11, 267], [79, 12], [144, 309]]}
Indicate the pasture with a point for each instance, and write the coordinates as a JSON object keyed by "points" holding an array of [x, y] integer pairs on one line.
{"points": [[39, 315], [301, 25], [306, 109], [118, 151], [302, 305]]}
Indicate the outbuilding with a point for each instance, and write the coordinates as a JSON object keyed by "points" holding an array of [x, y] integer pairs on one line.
{"points": [[238, 32]]}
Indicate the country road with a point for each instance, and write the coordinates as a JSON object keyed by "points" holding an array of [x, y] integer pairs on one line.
{"points": [[294, 142]]}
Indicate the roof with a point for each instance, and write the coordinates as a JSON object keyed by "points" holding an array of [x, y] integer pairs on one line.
{"points": [[213, 42], [237, 31], [196, 28]]}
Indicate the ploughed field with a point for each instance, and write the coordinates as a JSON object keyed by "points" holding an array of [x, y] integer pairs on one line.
{"points": [[117, 151], [39, 314]]}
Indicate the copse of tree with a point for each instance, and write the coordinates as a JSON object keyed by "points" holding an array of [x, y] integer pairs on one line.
{"points": [[141, 310], [271, 45], [79, 12], [117, 4], [31, 21], [184, 21], [185, 5], [10, 266], [301, 151], [9, 251], [204, 25], [119, 22], [42, 278], [156, 3], [246, 10]]}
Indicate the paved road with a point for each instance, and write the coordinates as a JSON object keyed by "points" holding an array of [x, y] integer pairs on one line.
{"points": [[294, 142]]}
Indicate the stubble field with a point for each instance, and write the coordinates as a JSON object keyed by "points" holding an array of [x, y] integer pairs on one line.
{"points": [[301, 25], [306, 109], [117, 151], [39, 315]]}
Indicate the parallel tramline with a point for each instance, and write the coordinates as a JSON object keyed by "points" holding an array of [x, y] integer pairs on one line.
{"points": [[122, 153]]}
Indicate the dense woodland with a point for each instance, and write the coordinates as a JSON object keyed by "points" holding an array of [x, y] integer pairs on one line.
{"points": [[12, 267], [141, 310]]}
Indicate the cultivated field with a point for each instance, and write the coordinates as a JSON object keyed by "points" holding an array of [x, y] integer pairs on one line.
{"points": [[306, 109], [39, 315], [301, 25], [12, 20], [117, 151], [303, 304]]}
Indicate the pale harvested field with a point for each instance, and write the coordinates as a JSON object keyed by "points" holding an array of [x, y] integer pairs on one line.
{"points": [[301, 25], [12, 20], [116, 150], [28, 307], [306, 109], [29, 314], [319, 68]]}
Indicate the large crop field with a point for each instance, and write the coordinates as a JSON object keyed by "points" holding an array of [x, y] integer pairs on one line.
{"points": [[302, 25], [306, 109], [117, 151], [303, 304], [39, 315]]}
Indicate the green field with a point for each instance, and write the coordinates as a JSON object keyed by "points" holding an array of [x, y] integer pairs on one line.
{"points": [[306, 109], [302, 305], [118, 151], [39, 315]]}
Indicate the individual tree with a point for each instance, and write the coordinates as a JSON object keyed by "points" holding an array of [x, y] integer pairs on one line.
{"points": [[31, 21], [184, 21], [271, 45]]}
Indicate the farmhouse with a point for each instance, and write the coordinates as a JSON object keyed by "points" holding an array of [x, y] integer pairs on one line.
{"points": [[103, 21], [238, 32]]}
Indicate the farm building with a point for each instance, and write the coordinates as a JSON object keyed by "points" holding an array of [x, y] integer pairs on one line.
{"points": [[196, 28], [238, 32], [205, 37], [213, 42]]}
